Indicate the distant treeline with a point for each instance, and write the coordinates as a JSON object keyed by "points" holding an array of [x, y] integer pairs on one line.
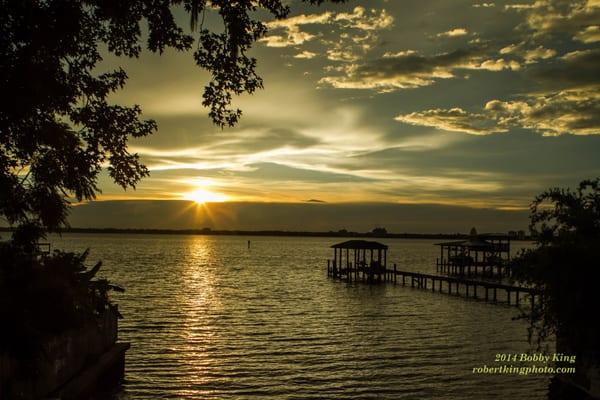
{"points": [[208, 231]]}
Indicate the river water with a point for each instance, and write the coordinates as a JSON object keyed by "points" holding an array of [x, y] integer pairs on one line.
{"points": [[207, 317]]}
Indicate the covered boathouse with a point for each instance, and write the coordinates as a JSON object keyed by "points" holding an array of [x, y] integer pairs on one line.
{"points": [[358, 259], [486, 254]]}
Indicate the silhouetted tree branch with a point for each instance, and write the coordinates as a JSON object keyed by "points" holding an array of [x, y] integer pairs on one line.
{"points": [[57, 128]]}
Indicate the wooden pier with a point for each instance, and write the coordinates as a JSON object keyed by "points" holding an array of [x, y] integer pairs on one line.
{"points": [[487, 254], [350, 263], [495, 292]]}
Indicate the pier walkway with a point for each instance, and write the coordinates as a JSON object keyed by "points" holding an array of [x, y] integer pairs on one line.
{"points": [[477, 289]]}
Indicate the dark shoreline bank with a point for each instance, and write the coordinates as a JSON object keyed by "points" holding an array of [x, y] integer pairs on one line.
{"points": [[207, 231]]}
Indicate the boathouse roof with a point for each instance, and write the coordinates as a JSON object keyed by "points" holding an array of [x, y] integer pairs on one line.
{"points": [[479, 241], [360, 244], [453, 243], [492, 236], [473, 243]]}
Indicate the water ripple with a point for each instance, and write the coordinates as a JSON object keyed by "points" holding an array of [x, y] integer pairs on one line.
{"points": [[208, 318]]}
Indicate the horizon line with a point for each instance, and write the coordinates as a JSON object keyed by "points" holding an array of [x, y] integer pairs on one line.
{"points": [[239, 232], [312, 202]]}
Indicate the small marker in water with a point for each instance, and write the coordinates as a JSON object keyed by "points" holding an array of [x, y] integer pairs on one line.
{"points": [[248, 244]]}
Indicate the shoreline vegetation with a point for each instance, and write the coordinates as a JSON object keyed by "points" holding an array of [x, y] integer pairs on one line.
{"points": [[211, 232]]}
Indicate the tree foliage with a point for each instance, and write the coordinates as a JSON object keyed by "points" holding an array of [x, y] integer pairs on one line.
{"points": [[564, 266], [57, 128]]}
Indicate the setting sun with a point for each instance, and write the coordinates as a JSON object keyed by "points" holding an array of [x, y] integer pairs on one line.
{"points": [[201, 196]]}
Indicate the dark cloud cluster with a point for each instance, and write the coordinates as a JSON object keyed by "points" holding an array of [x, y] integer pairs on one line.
{"points": [[574, 109], [563, 97], [563, 17], [409, 69], [578, 69]]}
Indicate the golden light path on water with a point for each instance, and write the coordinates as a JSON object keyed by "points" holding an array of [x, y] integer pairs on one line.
{"points": [[209, 317]]}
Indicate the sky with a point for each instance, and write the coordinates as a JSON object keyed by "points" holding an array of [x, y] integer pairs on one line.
{"points": [[469, 104]]}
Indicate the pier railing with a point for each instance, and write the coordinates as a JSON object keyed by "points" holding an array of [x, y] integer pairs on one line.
{"points": [[474, 268], [496, 292]]}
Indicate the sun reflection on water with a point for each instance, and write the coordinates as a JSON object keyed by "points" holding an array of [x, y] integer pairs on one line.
{"points": [[199, 299]]}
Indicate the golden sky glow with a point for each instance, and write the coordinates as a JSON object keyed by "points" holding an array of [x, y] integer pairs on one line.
{"points": [[402, 102], [202, 196]]}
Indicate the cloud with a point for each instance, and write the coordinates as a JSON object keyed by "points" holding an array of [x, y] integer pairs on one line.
{"points": [[340, 54], [567, 112], [356, 34], [520, 6], [300, 20], [456, 32], [454, 120], [293, 37], [590, 34], [575, 112], [529, 54], [346, 36], [397, 54], [278, 172], [408, 69], [484, 5], [234, 151], [539, 53], [306, 54], [359, 18], [304, 151], [495, 65], [503, 168], [512, 48]]}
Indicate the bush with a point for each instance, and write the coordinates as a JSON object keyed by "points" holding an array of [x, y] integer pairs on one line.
{"points": [[564, 267], [45, 295]]}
